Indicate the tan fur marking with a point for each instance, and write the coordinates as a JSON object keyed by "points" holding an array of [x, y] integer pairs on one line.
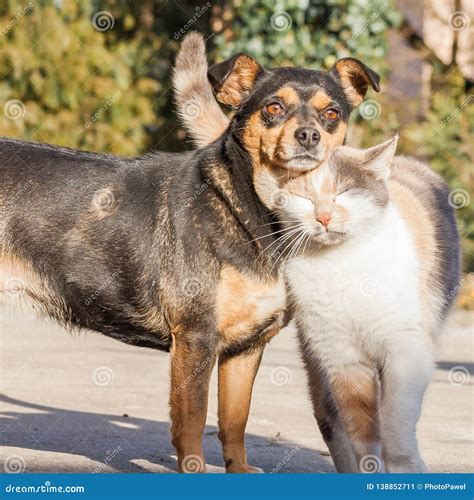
{"points": [[320, 100], [190, 375], [18, 280], [331, 141], [421, 227], [345, 70], [239, 82], [236, 378], [243, 302], [288, 95], [356, 397]]}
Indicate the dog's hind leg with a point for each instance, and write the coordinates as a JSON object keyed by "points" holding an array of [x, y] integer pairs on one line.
{"points": [[191, 367], [236, 377]]}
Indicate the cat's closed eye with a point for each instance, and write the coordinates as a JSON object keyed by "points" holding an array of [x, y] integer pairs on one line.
{"points": [[343, 191]]}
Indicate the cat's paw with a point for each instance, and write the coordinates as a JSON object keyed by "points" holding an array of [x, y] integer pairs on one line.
{"points": [[410, 466]]}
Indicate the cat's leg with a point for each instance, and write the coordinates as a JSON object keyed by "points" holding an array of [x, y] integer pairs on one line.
{"points": [[328, 418], [356, 393], [191, 367], [236, 377], [405, 376]]}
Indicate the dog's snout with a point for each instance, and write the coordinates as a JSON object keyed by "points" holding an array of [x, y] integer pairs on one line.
{"points": [[308, 137]]}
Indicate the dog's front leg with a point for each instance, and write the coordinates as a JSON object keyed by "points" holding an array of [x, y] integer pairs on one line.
{"points": [[236, 377], [191, 367]]}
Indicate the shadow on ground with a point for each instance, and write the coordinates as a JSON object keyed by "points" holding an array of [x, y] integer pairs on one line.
{"points": [[122, 443], [449, 365]]}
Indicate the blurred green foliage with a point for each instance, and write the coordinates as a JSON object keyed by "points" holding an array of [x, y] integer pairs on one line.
{"points": [[309, 33], [99, 83], [96, 74]]}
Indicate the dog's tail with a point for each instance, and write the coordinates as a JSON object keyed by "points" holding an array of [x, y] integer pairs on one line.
{"points": [[197, 106]]}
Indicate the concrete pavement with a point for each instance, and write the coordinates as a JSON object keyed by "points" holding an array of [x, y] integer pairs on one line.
{"points": [[85, 403]]}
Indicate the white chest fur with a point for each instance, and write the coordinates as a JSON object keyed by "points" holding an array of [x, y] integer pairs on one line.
{"points": [[358, 293]]}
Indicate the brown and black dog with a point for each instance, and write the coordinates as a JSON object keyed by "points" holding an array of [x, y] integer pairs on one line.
{"points": [[170, 251]]}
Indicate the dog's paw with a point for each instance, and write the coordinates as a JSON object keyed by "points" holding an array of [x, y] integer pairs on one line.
{"points": [[243, 469], [255, 470]]}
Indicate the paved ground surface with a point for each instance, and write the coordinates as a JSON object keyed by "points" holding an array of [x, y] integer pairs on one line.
{"points": [[84, 403]]}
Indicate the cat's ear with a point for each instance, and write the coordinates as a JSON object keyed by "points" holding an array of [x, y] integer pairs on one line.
{"points": [[234, 78], [355, 78], [379, 158]]}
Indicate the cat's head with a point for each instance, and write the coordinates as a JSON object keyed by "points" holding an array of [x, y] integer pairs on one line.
{"points": [[344, 197]]}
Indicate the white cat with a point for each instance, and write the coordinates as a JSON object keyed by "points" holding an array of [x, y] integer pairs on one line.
{"points": [[371, 287]]}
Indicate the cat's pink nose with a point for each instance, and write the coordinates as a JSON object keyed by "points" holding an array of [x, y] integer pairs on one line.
{"points": [[324, 219]]}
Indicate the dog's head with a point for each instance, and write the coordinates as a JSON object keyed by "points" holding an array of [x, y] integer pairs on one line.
{"points": [[289, 119]]}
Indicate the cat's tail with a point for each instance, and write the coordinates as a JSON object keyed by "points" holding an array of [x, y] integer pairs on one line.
{"points": [[197, 106]]}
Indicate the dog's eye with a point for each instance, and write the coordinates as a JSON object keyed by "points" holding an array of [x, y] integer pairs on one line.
{"points": [[275, 108], [331, 114]]}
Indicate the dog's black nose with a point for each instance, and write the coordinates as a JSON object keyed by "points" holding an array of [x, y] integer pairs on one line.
{"points": [[307, 136]]}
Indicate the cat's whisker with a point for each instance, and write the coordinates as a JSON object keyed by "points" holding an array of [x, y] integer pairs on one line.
{"points": [[287, 246], [291, 231], [278, 222], [270, 234], [283, 239]]}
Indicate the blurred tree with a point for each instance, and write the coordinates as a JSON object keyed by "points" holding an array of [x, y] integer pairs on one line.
{"points": [[310, 33], [92, 75]]}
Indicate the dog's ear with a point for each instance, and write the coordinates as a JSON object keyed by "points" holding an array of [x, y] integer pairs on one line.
{"points": [[355, 78], [234, 78]]}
